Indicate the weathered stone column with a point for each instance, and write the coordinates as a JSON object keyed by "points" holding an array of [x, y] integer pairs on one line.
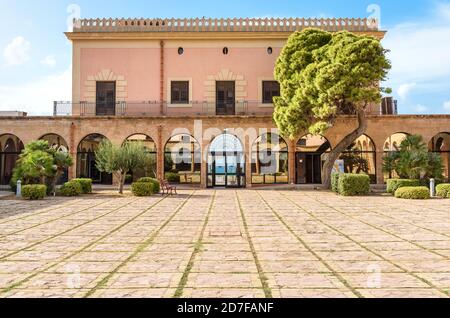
{"points": [[248, 162], [73, 152], [379, 167], [160, 154], [204, 164], [291, 160]]}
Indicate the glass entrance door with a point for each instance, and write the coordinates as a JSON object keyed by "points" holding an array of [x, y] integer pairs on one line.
{"points": [[106, 99], [226, 170]]}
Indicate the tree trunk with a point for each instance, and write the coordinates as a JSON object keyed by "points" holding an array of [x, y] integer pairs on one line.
{"points": [[342, 146], [122, 177], [55, 180]]}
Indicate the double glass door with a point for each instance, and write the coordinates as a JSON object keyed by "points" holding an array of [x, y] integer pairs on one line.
{"points": [[226, 170], [225, 98]]}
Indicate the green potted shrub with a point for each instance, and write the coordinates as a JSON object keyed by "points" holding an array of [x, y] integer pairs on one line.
{"points": [[70, 189], [394, 184], [413, 193], [351, 184], [34, 191], [156, 184], [142, 189], [86, 184], [443, 190]]}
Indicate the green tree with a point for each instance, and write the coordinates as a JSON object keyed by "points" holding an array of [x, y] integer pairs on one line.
{"points": [[40, 163], [413, 161], [324, 75], [119, 160]]}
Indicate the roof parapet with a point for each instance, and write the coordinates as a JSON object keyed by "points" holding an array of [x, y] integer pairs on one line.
{"points": [[225, 25]]}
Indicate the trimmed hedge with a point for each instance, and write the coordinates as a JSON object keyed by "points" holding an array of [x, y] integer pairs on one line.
{"points": [[142, 189], [173, 177], [34, 191], [351, 184], [443, 190], [156, 185], [394, 184], [86, 184], [335, 182], [71, 189], [416, 193]]}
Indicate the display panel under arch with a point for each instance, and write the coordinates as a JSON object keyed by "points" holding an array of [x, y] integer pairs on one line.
{"points": [[182, 160], [226, 162], [270, 163], [86, 166]]}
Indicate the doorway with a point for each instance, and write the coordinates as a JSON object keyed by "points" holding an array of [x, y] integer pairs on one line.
{"points": [[225, 98], [309, 168], [226, 162], [106, 99]]}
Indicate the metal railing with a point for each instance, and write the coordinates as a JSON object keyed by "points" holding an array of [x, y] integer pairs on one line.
{"points": [[157, 108], [224, 25]]}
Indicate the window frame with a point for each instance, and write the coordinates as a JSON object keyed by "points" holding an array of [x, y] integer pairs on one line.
{"points": [[263, 91], [180, 101]]}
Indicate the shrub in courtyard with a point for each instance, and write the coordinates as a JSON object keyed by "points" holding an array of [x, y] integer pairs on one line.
{"points": [[173, 177], [443, 190], [86, 184], [417, 193], [394, 184], [351, 184], [71, 189], [156, 185], [34, 191], [142, 189], [335, 182]]}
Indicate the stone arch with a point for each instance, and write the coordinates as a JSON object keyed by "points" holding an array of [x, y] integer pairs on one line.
{"points": [[270, 159], [11, 147], [182, 159], [86, 167], [56, 141]]}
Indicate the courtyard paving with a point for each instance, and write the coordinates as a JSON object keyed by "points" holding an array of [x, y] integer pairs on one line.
{"points": [[225, 243]]}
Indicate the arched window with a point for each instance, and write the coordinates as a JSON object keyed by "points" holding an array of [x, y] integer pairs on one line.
{"points": [[86, 166], [270, 160], [441, 144], [311, 153], [182, 159], [360, 157], [10, 148], [150, 167]]}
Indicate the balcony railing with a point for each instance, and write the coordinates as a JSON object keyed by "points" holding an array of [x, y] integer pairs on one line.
{"points": [[157, 108]]}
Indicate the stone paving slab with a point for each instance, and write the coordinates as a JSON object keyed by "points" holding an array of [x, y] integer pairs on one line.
{"points": [[225, 243]]}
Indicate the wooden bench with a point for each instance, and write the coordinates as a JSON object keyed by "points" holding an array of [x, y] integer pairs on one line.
{"points": [[166, 188]]}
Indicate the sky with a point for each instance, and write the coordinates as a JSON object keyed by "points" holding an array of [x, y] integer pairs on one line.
{"points": [[35, 56]]}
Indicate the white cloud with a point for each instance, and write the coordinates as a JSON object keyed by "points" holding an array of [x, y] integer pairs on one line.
{"points": [[446, 106], [49, 61], [419, 51], [37, 97], [443, 10], [404, 89], [420, 108], [16, 52]]}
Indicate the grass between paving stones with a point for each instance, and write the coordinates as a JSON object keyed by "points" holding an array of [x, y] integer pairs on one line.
{"points": [[197, 248], [51, 220], [72, 202], [446, 292], [289, 228], [138, 250], [17, 284], [53, 236], [262, 276]]}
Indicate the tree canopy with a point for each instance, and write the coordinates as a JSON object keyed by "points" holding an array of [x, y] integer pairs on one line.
{"points": [[324, 75]]}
